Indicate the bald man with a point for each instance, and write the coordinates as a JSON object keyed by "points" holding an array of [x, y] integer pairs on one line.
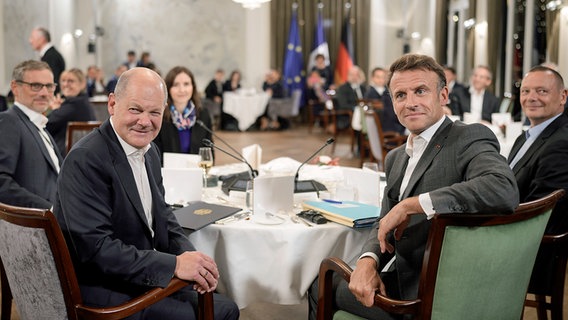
{"points": [[110, 204]]}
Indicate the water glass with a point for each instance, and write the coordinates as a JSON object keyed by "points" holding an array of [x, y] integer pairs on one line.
{"points": [[249, 195], [373, 166]]}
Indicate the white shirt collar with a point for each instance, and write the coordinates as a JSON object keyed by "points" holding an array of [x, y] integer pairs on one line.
{"points": [[46, 47], [128, 149], [38, 119], [426, 134]]}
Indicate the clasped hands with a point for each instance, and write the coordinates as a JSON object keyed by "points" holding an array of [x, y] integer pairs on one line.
{"points": [[198, 267]]}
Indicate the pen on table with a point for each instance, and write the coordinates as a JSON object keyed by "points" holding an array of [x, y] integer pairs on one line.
{"points": [[332, 201]]}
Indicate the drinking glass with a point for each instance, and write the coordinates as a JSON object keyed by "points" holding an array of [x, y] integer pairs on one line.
{"points": [[373, 166], [249, 195], [205, 162]]}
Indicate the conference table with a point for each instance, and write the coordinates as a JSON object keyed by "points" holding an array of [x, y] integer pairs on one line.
{"points": [[274, 260], [245, 105]]}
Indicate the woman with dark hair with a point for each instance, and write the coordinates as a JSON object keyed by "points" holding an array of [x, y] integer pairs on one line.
{"points": [[71, 104], [234, 81], [180, 132]]}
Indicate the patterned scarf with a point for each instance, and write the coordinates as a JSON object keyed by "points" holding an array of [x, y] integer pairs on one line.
{"points": [[186, 120]]}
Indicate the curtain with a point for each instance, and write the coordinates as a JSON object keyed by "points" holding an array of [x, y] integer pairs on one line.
{"points": [[333, 13], [552, 35]]}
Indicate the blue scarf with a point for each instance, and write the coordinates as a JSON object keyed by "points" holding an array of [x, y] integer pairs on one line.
{"points": [[186, 120]]}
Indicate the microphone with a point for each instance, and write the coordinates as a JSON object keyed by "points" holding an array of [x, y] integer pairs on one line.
{"points": [[310, 185], [202, 125], [209, 143]]}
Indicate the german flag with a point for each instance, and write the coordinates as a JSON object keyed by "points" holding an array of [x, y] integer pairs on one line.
{"points": [[345, 56]]}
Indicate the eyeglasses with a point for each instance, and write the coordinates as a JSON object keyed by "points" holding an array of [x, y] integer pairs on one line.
{"points": [[36, 86]]}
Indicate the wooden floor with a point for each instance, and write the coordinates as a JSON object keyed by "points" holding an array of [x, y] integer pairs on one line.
{"points": [[295, 143], [298, 144]]}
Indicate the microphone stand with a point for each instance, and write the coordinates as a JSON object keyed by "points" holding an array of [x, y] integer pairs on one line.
{"points": [[253, 173], [315, 186], [202, 125]]}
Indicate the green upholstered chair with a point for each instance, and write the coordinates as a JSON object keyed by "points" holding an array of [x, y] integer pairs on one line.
{"points": [[42, 279], [474, 267], [557, 244]]}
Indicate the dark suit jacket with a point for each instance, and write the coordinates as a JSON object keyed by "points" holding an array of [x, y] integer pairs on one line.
{"points": [[211, 91], [72, 109], [55, 61], [389, 120], [540, 171], [168, 138], [460, 102], [453, 168], [543, 169], [347, 97], [28, 176], [101, 214]]}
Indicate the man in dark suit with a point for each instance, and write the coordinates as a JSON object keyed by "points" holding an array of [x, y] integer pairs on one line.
{"points": [[214, 90], [123, 237], [29, 160], [378, 91], [476, 99], [443, 168], [40, 40], [539, 161]]}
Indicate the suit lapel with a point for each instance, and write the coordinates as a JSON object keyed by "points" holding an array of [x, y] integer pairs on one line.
{"points": [[34, 130], [432, 149], [537, 144], [123, 170]]}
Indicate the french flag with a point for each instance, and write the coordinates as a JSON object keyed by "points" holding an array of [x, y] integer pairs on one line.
{"points": [[320, 45]]}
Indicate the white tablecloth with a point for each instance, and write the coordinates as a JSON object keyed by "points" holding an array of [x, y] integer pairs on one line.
{"points": [[246, 108], [274, 263]]}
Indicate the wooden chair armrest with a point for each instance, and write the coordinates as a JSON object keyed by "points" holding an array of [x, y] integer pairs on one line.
{"points": [[139, 303], [325, 294], [555, 238]]}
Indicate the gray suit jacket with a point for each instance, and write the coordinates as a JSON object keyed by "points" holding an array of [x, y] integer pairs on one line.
{"points": [[28, 176], [463, 171]]}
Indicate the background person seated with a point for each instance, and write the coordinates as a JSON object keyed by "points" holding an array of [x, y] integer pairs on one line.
{"points": [[476, 99], [95, 81], [180, 132], [72, 104], [377, 90]]}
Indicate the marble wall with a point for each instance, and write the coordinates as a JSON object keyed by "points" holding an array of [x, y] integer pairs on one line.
{"points": [[200, 34]]}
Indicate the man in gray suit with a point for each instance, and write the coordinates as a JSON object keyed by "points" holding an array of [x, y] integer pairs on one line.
{"points": [[444, 167], [29, 163]]}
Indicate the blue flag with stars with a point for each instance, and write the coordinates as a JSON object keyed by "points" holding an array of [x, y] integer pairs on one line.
{"points": [[293, 59]]}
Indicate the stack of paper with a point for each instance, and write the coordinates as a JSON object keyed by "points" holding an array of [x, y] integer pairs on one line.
{"points": [[349, 213]]}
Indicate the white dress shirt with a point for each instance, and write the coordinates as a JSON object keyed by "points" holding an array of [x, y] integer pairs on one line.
{"points": [[39, 120], [136, 160]]}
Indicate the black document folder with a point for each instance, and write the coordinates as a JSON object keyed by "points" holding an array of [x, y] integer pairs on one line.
{"points": [[198, 214]]}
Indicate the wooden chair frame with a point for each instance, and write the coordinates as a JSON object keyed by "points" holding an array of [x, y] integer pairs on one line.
{"points": [[422, 306], [44, 219], [389, 140], [558, 243], [74, 126]]}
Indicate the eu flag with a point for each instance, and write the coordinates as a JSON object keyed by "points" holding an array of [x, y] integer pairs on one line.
{"points": [[293, 60]]}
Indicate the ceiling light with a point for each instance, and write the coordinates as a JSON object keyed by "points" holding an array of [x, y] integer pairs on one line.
{"points": [[251, 4]]}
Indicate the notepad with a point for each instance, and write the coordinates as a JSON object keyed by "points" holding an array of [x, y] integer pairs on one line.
{"points": [[350, 213]]}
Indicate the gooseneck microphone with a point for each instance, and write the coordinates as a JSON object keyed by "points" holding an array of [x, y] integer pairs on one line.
{"points": [[310, 185], [209, 143], [202, 125]]}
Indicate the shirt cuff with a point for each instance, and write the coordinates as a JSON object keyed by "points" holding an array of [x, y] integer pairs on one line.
{"points": [[370, 254], [426, 204]]}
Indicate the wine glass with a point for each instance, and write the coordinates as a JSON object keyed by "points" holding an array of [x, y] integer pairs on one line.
{"points": [[205, 162], [373, 166]]}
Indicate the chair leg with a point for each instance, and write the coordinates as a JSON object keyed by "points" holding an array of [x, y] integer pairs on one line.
{"points": [[6, 308], [541, 307]]}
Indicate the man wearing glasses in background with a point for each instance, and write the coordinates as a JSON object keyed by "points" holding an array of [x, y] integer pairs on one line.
{"points": [[29, 162]]}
